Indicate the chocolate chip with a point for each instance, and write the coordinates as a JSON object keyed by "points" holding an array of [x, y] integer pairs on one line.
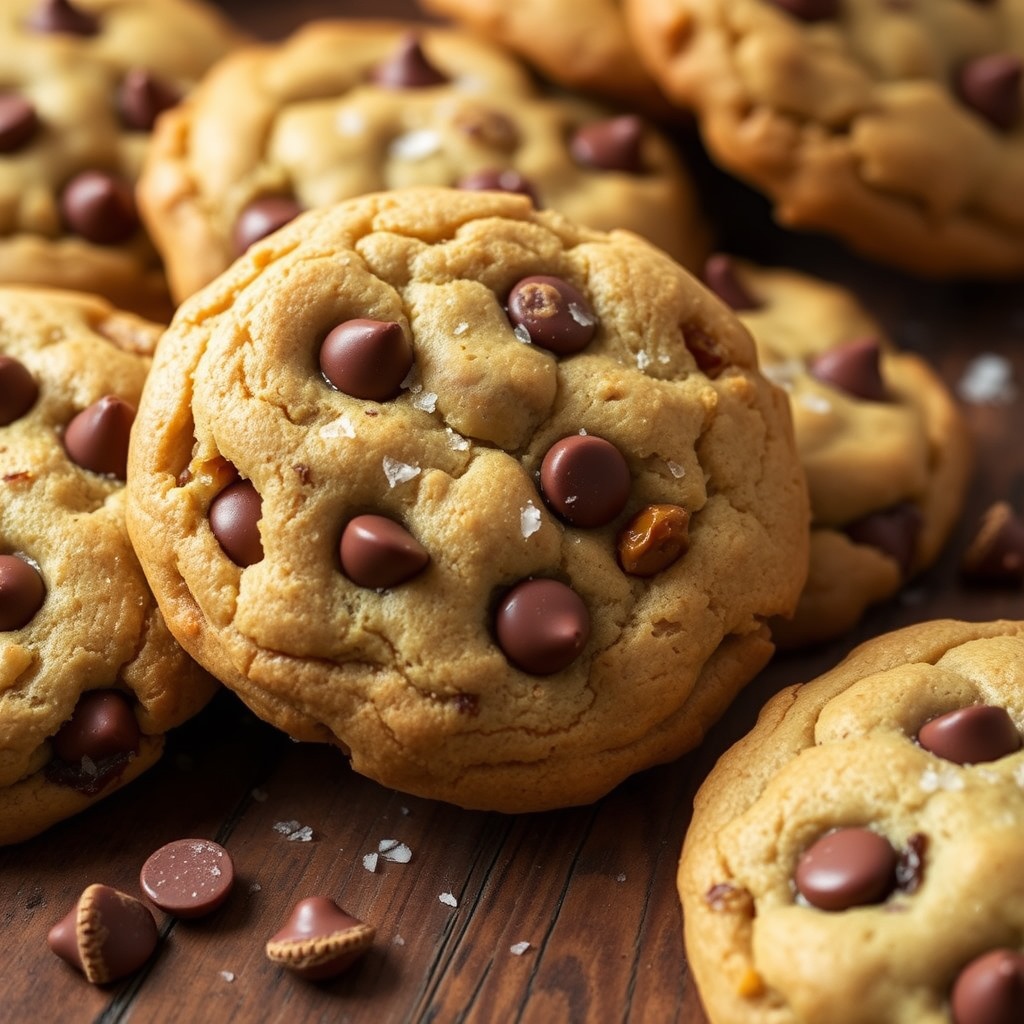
{"points": [[810, 10], [319, 940], [971, 735], [235, 521], [189, 877], [542, 626], [367, 358], [910, 866], [491, 179], [143, 97], [262, 217], [990, 989], [554, 314], [611, 145], [18, 390], [853, 367], [100, 207], [850, 867], [893, 531], [62, 16], [102, 726], [377, 552], [106, 935], [97, 438], [996, 555], [707, 351], [720, 276], [990, 86], [21, 592], [18, 122], [653, 539], [407, 67], [585, 479]]}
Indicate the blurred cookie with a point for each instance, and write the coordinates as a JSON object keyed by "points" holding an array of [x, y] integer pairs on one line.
{"points": [[885, 448], [90, 677], [344, 108], [853, 858], [496, 503], [83, 83], [896, 126]]}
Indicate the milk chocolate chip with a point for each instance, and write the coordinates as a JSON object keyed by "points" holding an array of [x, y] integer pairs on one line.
{"points": [[97, 438], [235, 521], [18, 122], [990, 989], [554, 313], [542, 626], [720, 276], [612, 145], [319, 940], [408, 67], [100, 207], [143, 97], [21, 592], [996, 555], [377, 552], [850, 867], [18, 390], [366, 358], [990, 86], [62, 16], [853, 367], [189, 877], [93, 746], [893, 531], [491, 179], [585, 479], [971, 735], [262, 217]]}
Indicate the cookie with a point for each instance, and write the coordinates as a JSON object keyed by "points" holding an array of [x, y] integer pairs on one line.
{"points": [[90, 676], [496, 503], [885, 447], [853, 858], [895, 126], [580, 44], [83, 83], [344, 108]]}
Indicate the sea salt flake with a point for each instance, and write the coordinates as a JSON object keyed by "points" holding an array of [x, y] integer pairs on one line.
{"points": [[522, 334], [302, 835], [228, 975], [987, 379], [518, 948], [427, 401], [411, 380], [932, 781], [621, 877], [448, 899], [815, 403], [461, 328], [341, 427], [581, 316], [404, 810], [415, 145], [456, 442], [398, 472], [398, 940], [370, 862], [675, 469], [529, 520], [643, 360], [286, 828], [394, 851], [255, 887]]}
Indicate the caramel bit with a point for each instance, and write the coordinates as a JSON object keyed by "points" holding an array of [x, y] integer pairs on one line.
{"points": [[726, 897], [708, 352], [653, 539], [21, 477], [750, 985]]}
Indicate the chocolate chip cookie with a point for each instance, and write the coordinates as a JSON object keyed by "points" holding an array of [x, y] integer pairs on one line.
{"points": [[84, 81], [90, 677], [496, 503], [885, 447], [853, 858], [894, 125], [344, 108]]}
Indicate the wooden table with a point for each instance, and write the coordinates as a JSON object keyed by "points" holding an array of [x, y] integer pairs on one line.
{"points": [[592, 890]]}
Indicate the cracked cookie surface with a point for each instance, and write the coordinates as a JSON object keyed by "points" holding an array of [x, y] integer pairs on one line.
{"points": [[423, 562]]}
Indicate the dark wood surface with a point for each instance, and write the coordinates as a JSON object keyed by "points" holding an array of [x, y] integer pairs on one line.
{"points": [[591, 889]]}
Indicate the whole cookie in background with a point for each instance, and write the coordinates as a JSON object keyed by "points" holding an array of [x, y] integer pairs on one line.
{"points": [[341, 109], [895, 126], [83, 82], [496, 503], [90, 677], [580, 44], [886, 450], [853, 857]]}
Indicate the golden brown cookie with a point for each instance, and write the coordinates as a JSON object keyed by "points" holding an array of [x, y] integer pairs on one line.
{"points": [[894, 125], [496, 503], [854, 857], [344, 108], [886, 450], [83, 82], [90, 677]]}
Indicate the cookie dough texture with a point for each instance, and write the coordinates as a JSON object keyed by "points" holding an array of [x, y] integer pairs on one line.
{"points": [[304, 119], [909, 450], [72, 82], [411, 680], [840, 752], [98, 626], [853, 123]]}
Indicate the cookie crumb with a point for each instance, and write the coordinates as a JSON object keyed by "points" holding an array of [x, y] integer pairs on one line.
{"points": [[518, 948], [987, 379], [448, 899]]}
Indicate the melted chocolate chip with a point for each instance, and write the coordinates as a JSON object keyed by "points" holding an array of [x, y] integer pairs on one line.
{"points": [[720, 276], [18, 122], [996, 555], [319, 940], [810, 10], [990, 86], [366, 358], [612, 145], [854, 368], [971, 735], [18, 390], [554, 313], [542, 626], [143, 97], [21, 592], [377, 552], [707, 351], [407, 67], [585, 479], [893, 531], [990, 989], [235, 521], [97, 438], [262, 217], [102, 725], [100, 207], [62, 16], [850, 867], [910, 866], [189, 877], [494, 180]]}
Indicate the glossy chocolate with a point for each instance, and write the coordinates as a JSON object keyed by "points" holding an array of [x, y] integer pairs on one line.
{"points": [[585, 480], [319, 940], [234, 519], [408, 67], [542, 626], [366, 359], [990, 86], [62, 16], [100, 207], [21, 592], [555, 314], [990, 989], [377, 552], [97, 438], [611, 145], [721, 277], [971, 735], [18, 122], [262, 217], [189, 877], [894, 531], [18, 390], [143, 97], [655, 538], [849, 867], [854, 368]]}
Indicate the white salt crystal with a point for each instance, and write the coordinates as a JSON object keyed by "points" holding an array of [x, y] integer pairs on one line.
{"points": [[341, 427], [987, 378], [581, 316], [427, 401], [410, 380], [529, 520], [461, 328], [398, 940], [947, 779], [286, 828], [255, 887], [415, 145], [620, 877], [227, 975], [394, 851], [302, 835], [456, 442], [675, 469], [643, 360], [448, 899], [518, 948], [815, 403], [370, 862], [404, 810], [398, 472], [522, 334]]}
